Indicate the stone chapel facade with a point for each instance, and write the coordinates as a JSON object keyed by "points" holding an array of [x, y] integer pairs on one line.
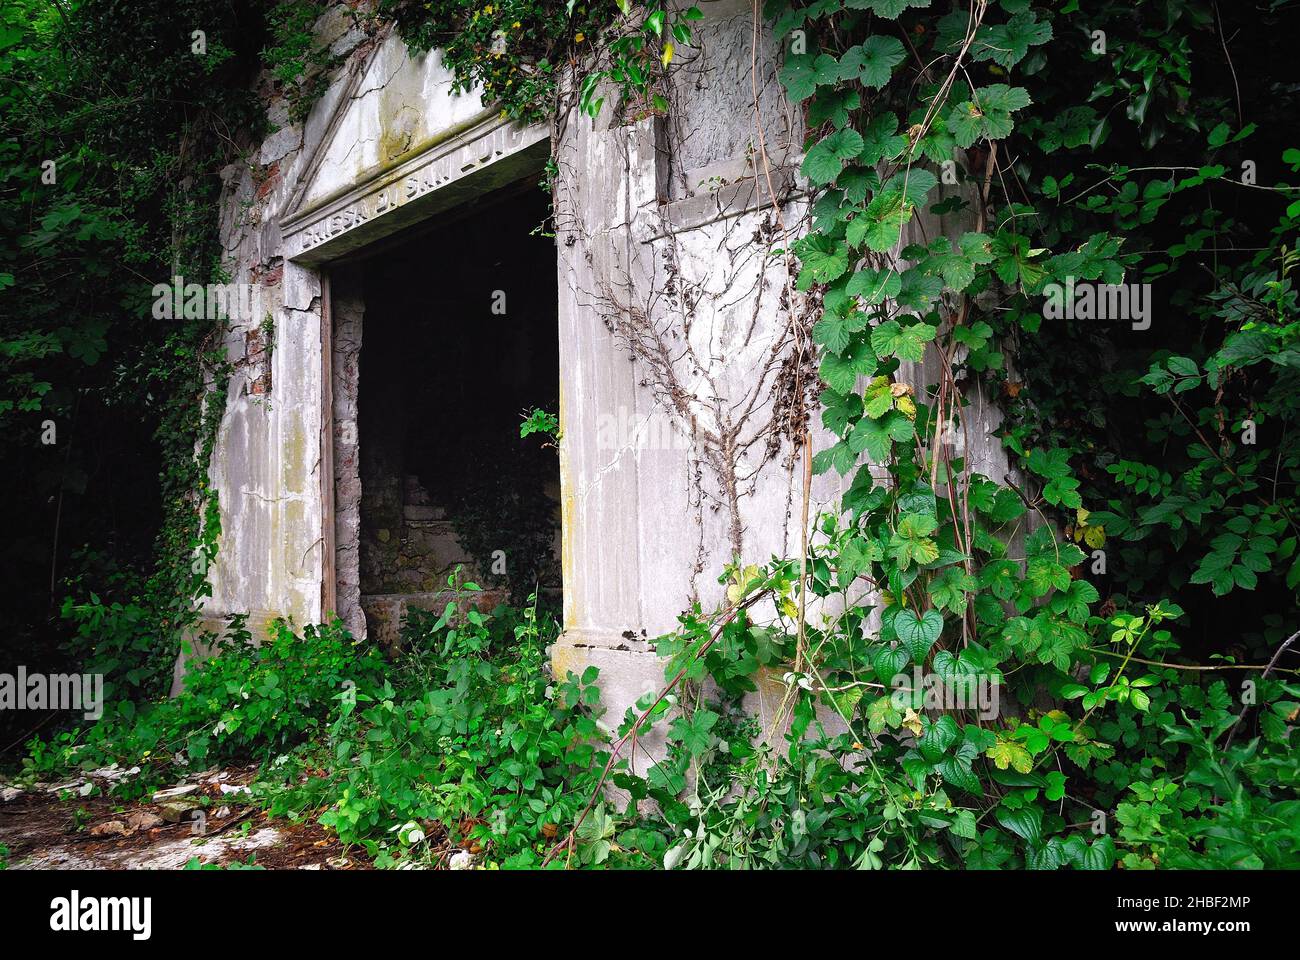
{"points": [[674, 319]]}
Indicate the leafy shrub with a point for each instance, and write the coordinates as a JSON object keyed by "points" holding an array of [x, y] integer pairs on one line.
{"points": [[244, 703], [468, 736], [119, 641], [1144, 772]]}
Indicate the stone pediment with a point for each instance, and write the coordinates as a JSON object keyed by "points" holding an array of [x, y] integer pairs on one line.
{"points": [[398, 144]]}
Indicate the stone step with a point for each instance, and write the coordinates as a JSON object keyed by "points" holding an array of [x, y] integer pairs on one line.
{"points": [[386, 612]]}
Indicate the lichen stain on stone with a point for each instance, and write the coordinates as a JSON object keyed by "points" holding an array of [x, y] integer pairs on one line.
{"points": [[566, 659], [568, 529], [293, 458], [397, 123]]}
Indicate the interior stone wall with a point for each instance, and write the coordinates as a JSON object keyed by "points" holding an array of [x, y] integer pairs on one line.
{"points": [[347, 310]]}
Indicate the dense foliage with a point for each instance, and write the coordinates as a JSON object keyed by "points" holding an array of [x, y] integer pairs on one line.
{"points": [[1137, 720], [114, 130], [460, 741]]}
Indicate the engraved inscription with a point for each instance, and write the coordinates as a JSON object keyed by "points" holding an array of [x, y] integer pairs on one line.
{"points": [[437, 171]]}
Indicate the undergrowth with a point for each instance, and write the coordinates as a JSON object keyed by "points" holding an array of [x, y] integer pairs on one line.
{"points": [[462, 742]]}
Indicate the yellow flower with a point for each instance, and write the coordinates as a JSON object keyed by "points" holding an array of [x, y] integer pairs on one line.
{"points": [[578, 38], [515, 24]]}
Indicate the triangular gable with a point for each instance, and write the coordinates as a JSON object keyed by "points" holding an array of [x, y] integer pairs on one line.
{"points": [[392, 105]]}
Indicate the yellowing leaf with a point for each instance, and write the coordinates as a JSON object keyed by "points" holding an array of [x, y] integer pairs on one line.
{"points": [[912, 720], [1010, 753]]}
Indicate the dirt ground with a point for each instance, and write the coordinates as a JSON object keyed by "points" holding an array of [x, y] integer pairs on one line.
{"points": [[52, 829]]}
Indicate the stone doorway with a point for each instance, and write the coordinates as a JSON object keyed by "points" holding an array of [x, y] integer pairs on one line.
{"points": [[442, 337]]}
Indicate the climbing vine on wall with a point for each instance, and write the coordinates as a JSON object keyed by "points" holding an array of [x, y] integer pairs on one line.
{"points": [[1098, 741]]}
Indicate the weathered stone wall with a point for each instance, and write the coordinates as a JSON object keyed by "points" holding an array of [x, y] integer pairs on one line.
{"points": [[287, 211], [267, 465]]}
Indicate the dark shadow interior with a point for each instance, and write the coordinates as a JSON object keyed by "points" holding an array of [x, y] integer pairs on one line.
{"points": [[460, 338]]}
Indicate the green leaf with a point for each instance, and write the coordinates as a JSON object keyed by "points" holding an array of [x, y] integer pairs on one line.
{"points": [[1006, 44], [881, 225], [803, 73], [873, 62], [874, 286], [1100, 855], [823, 258], [917, 291], [835, 332], [827, 157], [918, 633], [959, 774], [833, 106], [877, 437], [891, 339], [881, 140], [914, 183], [694, 733], [840, 456], [1026, 823], [964, 824], [889, 9], [939, 735], [888, 661], [841, 370], [948, 591]]}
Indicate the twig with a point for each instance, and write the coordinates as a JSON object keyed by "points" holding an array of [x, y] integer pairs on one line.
{"points": [[1232, 732]]}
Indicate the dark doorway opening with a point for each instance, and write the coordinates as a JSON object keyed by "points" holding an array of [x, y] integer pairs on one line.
{"points": [[460, 339]]}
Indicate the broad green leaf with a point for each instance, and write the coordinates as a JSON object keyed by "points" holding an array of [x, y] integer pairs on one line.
{"points": [[891, 339], [803, 73], [826, 158], [1026, 823], [874, 286], [918, 633], [873, 62], [841, 370]]}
